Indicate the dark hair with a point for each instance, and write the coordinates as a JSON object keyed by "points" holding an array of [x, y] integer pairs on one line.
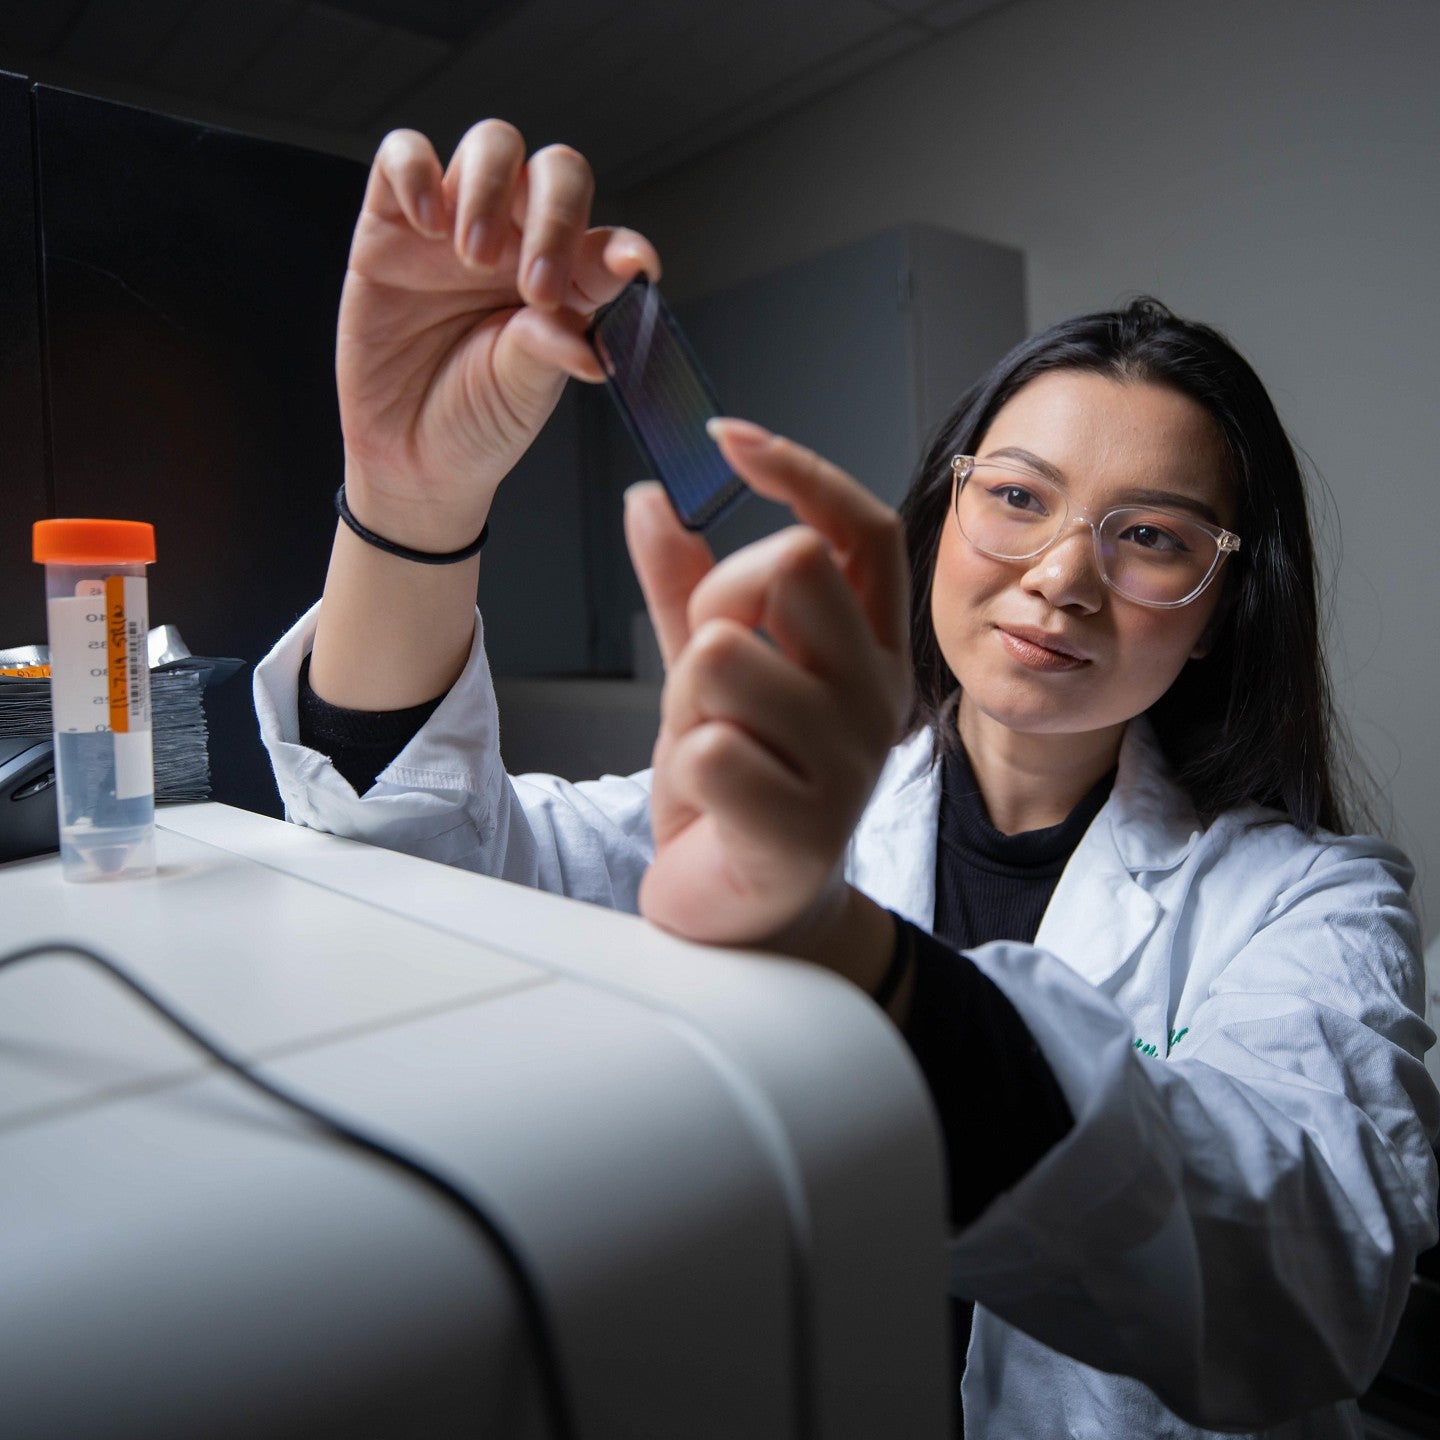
{"points": [[1253, 720]]}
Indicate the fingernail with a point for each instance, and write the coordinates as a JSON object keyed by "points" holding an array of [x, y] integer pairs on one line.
{"points": [[738, 434], [640, 485], [476, 239], [543, 281], [427, 213]]}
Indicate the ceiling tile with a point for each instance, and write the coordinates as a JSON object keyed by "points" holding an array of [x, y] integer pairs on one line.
{"points": [[938, 14], [450, 22], [119, 37], [373, 77], [216, 42], [638, 85], [647, 165], [903, 8], [535, 37], [638, 39], [650, 71], [37, 29], [943, 14], [732, 59], [509, 69], [302, 60]]}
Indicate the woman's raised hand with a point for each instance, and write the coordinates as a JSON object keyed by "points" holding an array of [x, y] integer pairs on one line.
{"points": [[768, 750], [463, 311]]}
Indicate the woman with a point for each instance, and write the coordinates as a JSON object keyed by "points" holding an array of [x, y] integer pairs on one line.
{"points": [[1178, 1066]]}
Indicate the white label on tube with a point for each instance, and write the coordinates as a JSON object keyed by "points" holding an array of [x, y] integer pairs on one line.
{"points": [[134, 765], [99, 673], [79, 660]]}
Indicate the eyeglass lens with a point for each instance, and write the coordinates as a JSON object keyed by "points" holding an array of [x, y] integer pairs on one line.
{"points": [[1149, 554]]}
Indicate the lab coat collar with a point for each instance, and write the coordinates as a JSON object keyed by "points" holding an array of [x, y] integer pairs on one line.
{"points": [[1152, 820], [892, 854], [1102, 910]]}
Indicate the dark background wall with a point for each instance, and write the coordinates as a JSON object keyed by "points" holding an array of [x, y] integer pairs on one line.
{"points": [[22, 453], [188, 286]]}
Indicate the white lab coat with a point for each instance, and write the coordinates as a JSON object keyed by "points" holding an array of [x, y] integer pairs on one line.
{"points": [[1232, 1012]]}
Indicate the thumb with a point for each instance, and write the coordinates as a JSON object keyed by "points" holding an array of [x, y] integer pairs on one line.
{"points": [[669, 560]]}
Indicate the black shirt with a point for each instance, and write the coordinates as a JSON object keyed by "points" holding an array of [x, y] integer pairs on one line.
{"points": [[999, 1104]]}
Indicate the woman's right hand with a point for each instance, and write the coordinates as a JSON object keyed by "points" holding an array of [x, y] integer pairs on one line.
{"points": [[464, 310]]}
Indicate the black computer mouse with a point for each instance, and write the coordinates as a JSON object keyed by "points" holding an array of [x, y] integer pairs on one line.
{"points": [[28, 818]]}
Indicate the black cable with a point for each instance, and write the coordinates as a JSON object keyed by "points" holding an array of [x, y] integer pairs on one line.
{"points": [[552, 1384]]}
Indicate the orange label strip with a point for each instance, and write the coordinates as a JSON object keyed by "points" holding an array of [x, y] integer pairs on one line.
{"points": [[117, 654]]}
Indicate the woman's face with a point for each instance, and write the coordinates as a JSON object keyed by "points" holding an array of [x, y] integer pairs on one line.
{"points": [[1104, 440]]}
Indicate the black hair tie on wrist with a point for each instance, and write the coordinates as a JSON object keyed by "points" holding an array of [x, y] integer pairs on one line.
{"points": [[885, 992], [420, 557]]}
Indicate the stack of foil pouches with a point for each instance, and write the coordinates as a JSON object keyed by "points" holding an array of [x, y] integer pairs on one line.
{"points": [[177, 712]]}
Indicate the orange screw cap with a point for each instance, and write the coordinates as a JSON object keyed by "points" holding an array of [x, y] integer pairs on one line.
{"points": [[84, 542]]}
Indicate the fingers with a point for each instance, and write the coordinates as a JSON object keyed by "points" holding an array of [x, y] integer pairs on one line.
{"points": [[524, 222], [789, 585], [865, 532], [482, 177], [669, 560], [730, 867], [607, 260], [729, 674], [719, 771], [555, 339], [767, 752], [555, 214], [823, 696], [827, 696], [406, 184]]}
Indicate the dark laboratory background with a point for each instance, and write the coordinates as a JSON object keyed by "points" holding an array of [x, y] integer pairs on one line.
{"points": [[178, 183], [172, 261]]}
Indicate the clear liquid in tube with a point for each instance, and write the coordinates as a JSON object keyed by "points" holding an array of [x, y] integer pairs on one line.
{"points": [[101, 836]]}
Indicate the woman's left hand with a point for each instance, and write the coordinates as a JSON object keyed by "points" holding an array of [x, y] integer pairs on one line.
{"points": [[768, 751]]}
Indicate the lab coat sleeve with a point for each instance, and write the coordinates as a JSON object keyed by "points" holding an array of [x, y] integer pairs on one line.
{"points": [[446, 795], [1235, 1225]]}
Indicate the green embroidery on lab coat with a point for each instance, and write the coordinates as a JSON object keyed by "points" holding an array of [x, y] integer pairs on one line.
{"points": [[1176, 1036]]}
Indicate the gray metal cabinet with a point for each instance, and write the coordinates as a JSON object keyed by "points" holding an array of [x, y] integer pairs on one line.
{"points": [[858, 353]]}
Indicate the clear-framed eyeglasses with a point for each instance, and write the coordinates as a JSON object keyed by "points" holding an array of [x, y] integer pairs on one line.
{"points": [[1152, 554]]}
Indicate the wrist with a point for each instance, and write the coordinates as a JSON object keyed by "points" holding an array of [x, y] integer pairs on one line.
{"points": [[847, 932], [402, 552], [412, 515], [391, 633]]}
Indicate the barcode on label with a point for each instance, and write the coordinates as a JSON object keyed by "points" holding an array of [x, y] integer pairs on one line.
{"points": [[100, 677], [126, 625]]}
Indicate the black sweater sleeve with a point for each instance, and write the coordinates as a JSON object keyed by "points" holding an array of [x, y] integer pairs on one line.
{"points": [[360, 743], [999, 1104]]}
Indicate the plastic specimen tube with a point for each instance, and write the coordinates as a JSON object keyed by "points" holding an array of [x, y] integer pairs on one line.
{"points": [[97, 610]]}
